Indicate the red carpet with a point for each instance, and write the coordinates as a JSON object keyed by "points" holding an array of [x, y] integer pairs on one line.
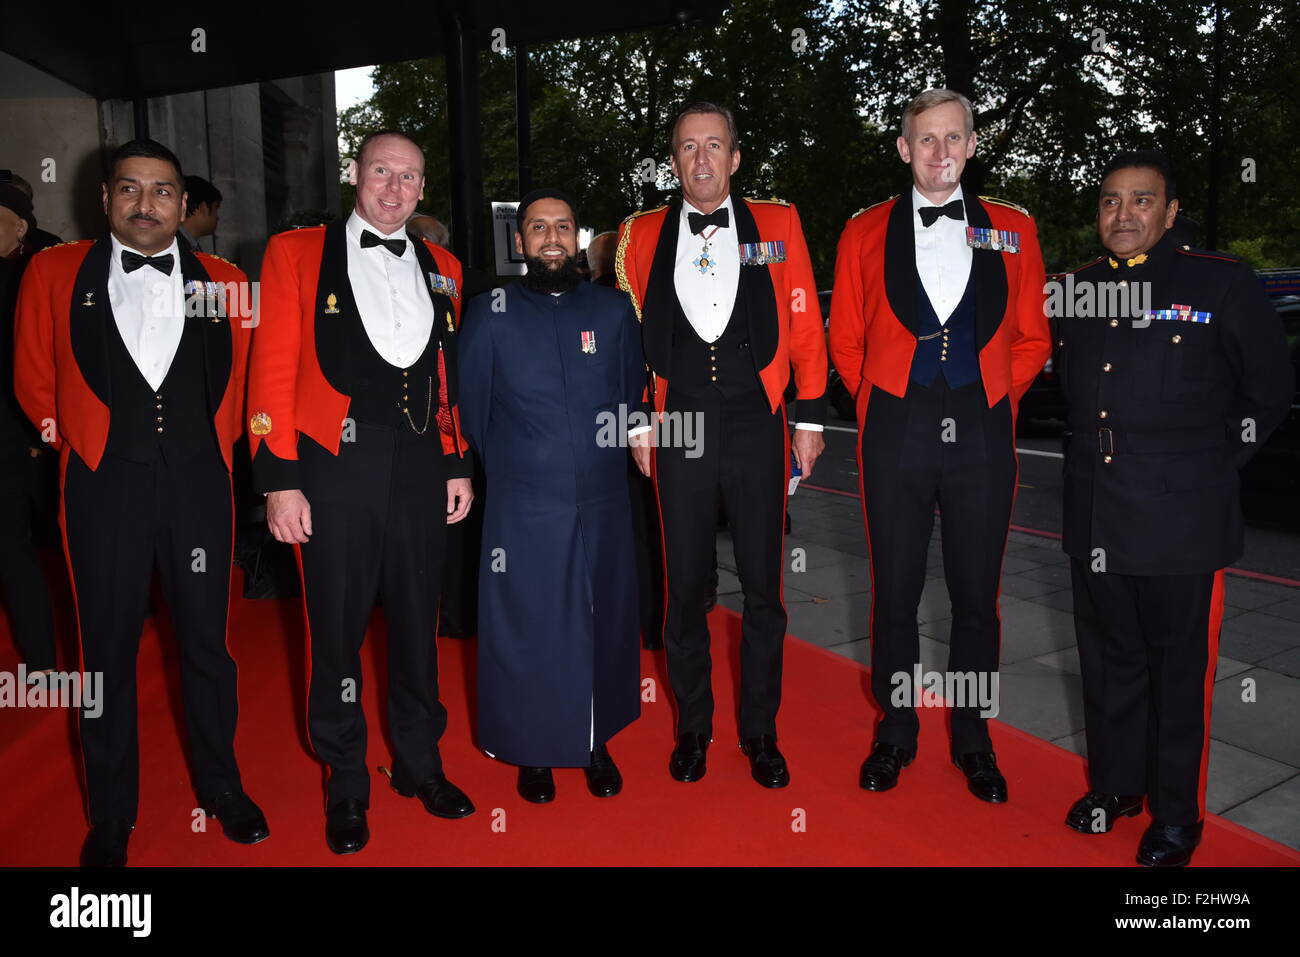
{"points": [[826, 721]]}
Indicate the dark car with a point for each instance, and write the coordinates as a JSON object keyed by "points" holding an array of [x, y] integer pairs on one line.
{"points": [[1270, 482]]}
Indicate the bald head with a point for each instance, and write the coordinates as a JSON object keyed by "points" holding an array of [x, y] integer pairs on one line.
{"points": [[600, 254]]}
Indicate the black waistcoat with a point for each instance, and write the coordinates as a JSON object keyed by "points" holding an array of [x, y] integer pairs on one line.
{"points": [[172, 424], [726, 365], [384, 395]]}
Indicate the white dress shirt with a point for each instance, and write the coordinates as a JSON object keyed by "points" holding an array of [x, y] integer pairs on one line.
{"points": [[942, 257], [707, 298], [391, 295], [149, 310]]}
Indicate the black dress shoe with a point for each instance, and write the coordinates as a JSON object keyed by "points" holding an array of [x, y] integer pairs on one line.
{"points": [[766, 763], [1168, 845], [536, 785], [346, 831], [982, 776], [1083, 816], [687, 761], [241, 820], [441, 798], [106, 845], [881, 769], [603, 779]]}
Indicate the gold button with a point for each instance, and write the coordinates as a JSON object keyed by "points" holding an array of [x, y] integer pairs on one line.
{"points": [[159, 419], [1114, 323], [158, 397], [405, 373], [158, 406], [1176, 339], [160, 428], [1106, 367], [1060, 342], [715, 378], [404, 409], [1107, 459], [1123, 282], [1102, 414]]}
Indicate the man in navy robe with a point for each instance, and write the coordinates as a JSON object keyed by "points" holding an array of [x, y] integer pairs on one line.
{"points": [[551, 373]]}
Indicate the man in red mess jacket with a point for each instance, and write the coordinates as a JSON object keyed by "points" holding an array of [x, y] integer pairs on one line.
{"points": [[725, 291], [937, 327], [129, 357], [354, 437]]}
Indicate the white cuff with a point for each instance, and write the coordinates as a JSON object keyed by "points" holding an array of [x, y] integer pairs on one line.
{"points": [[639, 430], [810, 426]]}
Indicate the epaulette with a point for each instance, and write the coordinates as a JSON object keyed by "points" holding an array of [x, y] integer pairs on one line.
{"points": [[1187, 250], [644, 212], [1002, 202], [1087, 265], [873, 206], [774, 201], [70, 242], [221, 258]]}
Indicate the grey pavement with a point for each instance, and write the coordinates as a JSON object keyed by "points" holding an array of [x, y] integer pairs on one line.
{"points": [[1254, 774]]}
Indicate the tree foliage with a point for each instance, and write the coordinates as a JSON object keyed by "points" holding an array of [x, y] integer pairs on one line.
{"points": [[818, 86]]}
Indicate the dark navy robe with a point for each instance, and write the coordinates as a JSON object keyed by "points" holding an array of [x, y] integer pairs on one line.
{"points": [[558, 638]]}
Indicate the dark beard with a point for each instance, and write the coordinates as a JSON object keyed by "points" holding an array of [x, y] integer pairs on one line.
{"points": [[541, 278]]}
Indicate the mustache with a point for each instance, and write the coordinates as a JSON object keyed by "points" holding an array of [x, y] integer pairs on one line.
{"points": [[143, 218]]}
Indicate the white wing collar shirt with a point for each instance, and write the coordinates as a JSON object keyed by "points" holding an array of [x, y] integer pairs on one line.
{"points": [[942, 257], [391, 295], [707, 297], [149, 310]]}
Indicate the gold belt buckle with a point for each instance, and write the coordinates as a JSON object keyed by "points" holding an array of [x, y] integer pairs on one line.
{"points": [[1104, 438]]}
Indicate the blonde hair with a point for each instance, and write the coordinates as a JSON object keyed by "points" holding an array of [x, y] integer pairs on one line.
{"points": [[932, 98]]}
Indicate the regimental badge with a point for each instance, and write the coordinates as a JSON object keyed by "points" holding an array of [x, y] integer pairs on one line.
{"points": [[998, 240], [1180, 313], [760, 254], [443, 284], [451, 326], [260, 424], [331, 305], [589, 342], [89, 300]]}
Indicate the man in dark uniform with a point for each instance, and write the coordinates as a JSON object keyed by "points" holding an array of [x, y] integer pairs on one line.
{"points": [[355, 438], [126, 362], [1175, 369], [726, 292]]}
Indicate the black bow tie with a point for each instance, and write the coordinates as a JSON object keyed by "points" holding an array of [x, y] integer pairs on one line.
{"points": [[930, 214], [700, 222], [133, 261], [395, 246]]}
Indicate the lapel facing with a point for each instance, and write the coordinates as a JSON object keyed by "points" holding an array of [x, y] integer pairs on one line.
{"points": [[444, 316], [756, 294], [213, 323], [990, 278], [900, 262], [661, 292], [89, 317], [335, 306]]}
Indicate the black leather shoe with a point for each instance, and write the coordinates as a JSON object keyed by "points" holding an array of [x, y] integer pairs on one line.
{"points": [[766, 763], [687, 761], [881, 769], [982, 776], [1168, 845], [106, 845], [536, 785], [603, 779], [346, 831], [1084, 816], [441, 798], [241, 820]]}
